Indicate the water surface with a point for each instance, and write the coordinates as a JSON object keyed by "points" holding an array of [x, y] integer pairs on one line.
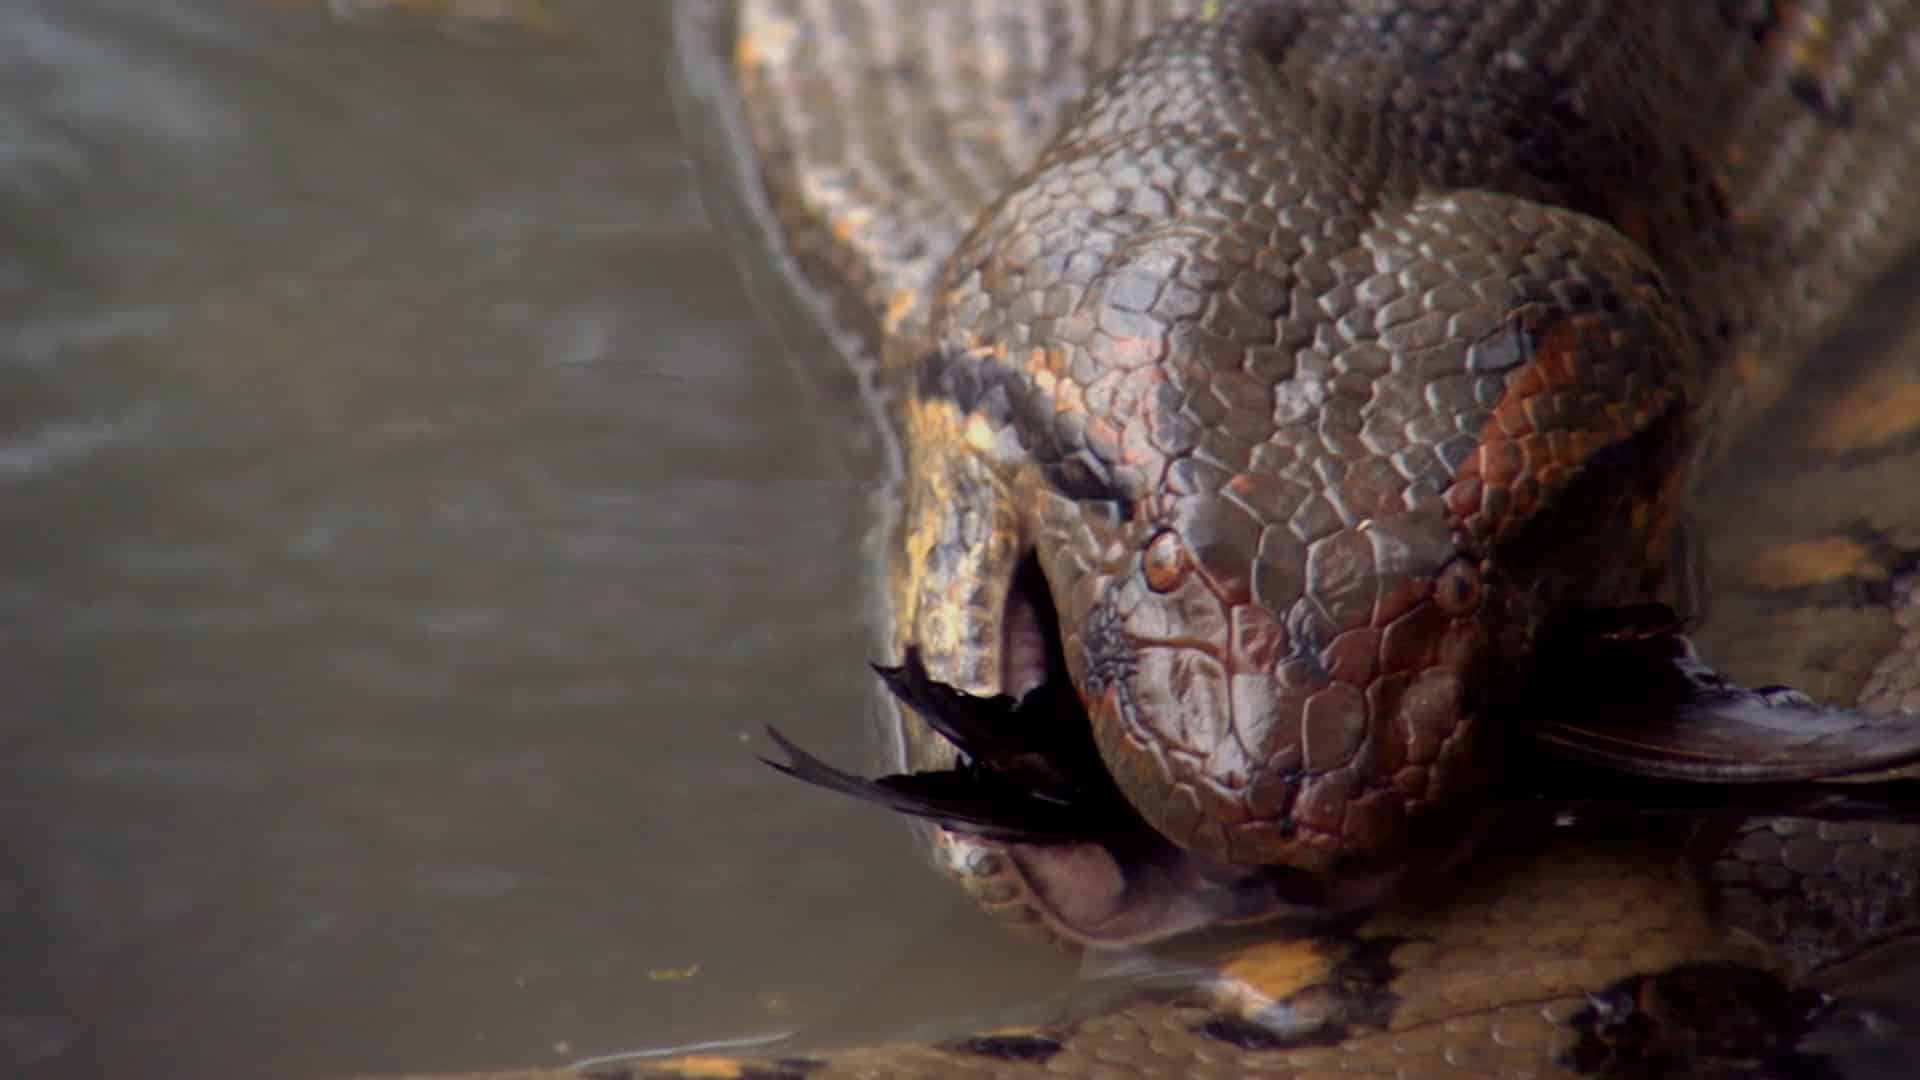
{"points": [[409, 521]]}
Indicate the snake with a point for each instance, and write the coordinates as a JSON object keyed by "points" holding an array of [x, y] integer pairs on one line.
{"points": [[1271, 380]]}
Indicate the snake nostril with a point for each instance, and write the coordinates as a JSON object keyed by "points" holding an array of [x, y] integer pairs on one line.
{"points": [[1166, 563], [1456, 591]]}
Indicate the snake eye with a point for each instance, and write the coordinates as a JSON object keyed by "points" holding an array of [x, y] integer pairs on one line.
{"points": [[1456, 591], [1167, 563]]}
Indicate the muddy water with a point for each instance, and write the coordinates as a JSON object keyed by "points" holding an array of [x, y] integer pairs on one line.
{"points": [[409, 518]]}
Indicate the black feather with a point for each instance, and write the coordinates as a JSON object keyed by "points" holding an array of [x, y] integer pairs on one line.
{"points": [[1624, 691], [1029, 771], [968, 800]]}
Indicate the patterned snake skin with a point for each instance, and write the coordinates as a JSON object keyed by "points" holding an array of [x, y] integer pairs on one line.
{"points": [[1316, 359], [1310, 356]]}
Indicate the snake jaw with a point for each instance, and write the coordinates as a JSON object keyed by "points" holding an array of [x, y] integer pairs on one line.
{"points": [[1317, 775], [1031, 824], [1100, 897], [1029, 632], [1325, 730]]}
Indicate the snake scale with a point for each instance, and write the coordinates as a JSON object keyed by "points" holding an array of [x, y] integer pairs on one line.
{"points": [[1289, 366]]}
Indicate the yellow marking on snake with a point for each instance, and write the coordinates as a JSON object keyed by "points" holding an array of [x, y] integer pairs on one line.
{"points": [[1274, 970], [763, 40], [898, 306], [981, 433], [1819, 561], [1868, 416], [850, 222], [706, 1068]]}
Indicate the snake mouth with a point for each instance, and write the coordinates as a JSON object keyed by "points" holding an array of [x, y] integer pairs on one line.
{"points": [[1096, 871], [1030, 646], [1029, 817]]}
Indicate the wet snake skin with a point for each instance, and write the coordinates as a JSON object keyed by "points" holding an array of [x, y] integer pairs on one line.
{"points": [[1315, 358], [1314, 354]]}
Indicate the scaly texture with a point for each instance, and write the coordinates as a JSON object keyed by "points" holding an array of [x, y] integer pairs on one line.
{"points": [[886, 131], [1315, 352]]}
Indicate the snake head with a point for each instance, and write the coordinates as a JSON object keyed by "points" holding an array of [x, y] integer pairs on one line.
{"points": [[1291, 563], [1291, 646], [1310, 428]]}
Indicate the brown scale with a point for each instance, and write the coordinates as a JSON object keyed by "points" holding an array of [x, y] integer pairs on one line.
{"points": [[1228, 278], [1320, 356]]}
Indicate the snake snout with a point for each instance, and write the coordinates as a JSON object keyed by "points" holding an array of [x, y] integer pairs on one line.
{"points": [[1308, 720]]}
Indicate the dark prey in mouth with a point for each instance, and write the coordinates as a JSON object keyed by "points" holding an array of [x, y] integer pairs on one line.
{"points": [[1029, 771]]}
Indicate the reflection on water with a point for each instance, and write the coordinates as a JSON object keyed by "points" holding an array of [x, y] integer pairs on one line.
{"points": [[408, 522]]}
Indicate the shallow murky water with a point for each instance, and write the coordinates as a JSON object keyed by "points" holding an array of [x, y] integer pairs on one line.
{"points": [[409, 520]]}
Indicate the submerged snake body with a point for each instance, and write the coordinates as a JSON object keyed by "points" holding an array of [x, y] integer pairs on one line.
{"points": [[1301, 359]]}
